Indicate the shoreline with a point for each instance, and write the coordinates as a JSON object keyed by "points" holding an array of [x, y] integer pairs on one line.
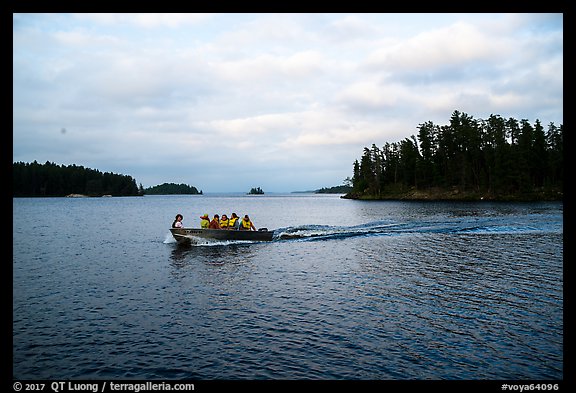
{"points": [[456, 195]]}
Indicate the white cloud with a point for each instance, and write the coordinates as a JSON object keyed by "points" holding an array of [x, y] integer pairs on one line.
{"points": [[84, 39], [370, 95], [146, 20], [264, 68], [254, 125], [454, 45], [297, 94]]}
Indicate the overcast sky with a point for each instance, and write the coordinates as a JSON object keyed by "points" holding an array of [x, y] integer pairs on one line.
{"points": [[285, 102]]}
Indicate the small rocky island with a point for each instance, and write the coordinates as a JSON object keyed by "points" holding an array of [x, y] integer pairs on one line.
{"points": [[256, 191]]}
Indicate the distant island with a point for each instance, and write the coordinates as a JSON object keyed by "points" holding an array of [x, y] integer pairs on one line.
{"points": [[467, 159], [343, 189], [256, 191], [52, 180], [172, 189]]}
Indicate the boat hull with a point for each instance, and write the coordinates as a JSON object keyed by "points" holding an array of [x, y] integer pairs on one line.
{"points": [[189, 234]]}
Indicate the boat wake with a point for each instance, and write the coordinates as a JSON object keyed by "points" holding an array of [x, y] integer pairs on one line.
{"points": [[168, 239], [487, 226], [325, 232]]}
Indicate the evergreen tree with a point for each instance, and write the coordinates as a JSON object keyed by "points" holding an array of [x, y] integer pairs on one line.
{"points": [[495, 157], [49, 179]]}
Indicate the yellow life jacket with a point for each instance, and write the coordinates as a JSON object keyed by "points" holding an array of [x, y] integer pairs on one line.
{"points": [[204, 223], [232, 222], [246, 224], [224, 223]]}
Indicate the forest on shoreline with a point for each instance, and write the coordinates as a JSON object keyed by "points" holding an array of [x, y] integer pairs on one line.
{"points": [[467, 159], [52, 180]]}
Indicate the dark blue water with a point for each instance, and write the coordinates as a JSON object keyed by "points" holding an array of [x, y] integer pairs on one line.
{"points": [[347, 290]]}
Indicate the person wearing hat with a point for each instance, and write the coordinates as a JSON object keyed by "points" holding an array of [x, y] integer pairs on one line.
{"points": [[205, 223]]}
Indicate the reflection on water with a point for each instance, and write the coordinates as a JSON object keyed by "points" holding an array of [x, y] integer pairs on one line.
{"points": [[184, 254]]}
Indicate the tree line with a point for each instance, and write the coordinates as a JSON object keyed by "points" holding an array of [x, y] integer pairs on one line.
{"points": [[342, 189], [44, 180], [495, 158]]}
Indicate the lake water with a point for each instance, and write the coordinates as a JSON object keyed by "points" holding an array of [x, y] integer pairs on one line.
{"points": [[358, 290]]}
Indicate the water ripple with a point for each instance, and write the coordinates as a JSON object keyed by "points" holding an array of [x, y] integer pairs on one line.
{"points": [[412, 291]]}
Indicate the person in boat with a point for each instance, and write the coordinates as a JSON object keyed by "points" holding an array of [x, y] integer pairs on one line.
{"points": [[178, 221], [204, 221], [234, 222], [215, 223], [224, 221], [246, 224]]}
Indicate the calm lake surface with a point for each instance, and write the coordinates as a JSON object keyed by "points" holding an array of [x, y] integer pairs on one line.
{"points": [[347, 290]]}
